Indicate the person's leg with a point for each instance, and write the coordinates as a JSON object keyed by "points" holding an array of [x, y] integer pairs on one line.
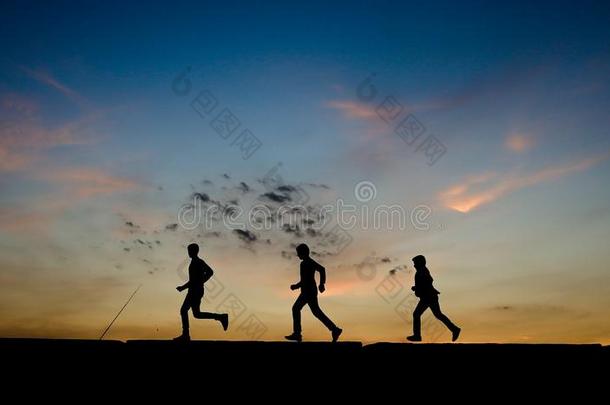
{"points": [[296, 313], [436, 310], [195, 306], [318, 313], [421, 307], [184, 314]]}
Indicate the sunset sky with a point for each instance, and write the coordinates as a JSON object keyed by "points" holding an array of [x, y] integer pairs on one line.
{"points": [[109, 128]]}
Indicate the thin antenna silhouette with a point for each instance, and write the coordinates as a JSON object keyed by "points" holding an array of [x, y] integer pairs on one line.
{"points": [[117, 315]]}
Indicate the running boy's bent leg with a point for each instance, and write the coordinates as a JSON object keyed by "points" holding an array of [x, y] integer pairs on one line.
{"points": [[196, 304]]}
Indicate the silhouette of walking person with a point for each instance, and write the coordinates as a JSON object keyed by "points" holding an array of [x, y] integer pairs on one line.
{"points": [[428, 298], [309, 295], [199, 273]]}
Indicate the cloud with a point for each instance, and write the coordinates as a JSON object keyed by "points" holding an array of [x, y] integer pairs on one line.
{"points": [[536, 309], [201, 197], [352, 109], [245, 235], [243, 187], [49, 80], [86, 182], [400, 267], [286, 193], [293, 229], [276, 221], [519, 142], [321, 185], [21, 220], [141, 242], [498, 82], [10, 161], [287, 255], [19, 103], [487, 188], [21, 143], [278, 198]]}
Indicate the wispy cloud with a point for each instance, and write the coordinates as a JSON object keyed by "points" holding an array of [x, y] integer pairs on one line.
{"points": [[21, 143], [49, 80], [519, 142], [71, 187], [351, 109], [10, 162], [20, 220], [487, 188], [19, 103], [88, 182]]}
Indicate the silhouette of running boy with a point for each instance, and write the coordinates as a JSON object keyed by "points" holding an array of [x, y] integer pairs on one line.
{"points": [[309, 295], [199, 273], [428, 298]]}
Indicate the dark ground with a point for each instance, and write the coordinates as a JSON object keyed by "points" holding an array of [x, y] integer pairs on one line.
{"points": [[259, 367]]}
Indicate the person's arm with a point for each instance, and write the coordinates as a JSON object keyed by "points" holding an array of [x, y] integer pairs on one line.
{"points": [[207, 272], [187, 284], [322, 271], [296, 286]]}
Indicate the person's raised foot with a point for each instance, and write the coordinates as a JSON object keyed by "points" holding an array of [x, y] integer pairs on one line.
{"points": [[414, 338], [455, 334], [224, 320], [182, 338], [336, 333], [295, 336]]}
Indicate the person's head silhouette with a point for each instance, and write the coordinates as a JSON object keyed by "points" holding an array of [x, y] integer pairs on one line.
{"points": [[193, 250], [303, 251], [419, 262]]}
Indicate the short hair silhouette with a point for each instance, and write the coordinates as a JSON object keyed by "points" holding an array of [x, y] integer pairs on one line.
{"points": [[193, 249], [303, 250], [419, 260]]}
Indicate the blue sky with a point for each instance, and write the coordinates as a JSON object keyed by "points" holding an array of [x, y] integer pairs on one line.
{"points": [[93, 137]]}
